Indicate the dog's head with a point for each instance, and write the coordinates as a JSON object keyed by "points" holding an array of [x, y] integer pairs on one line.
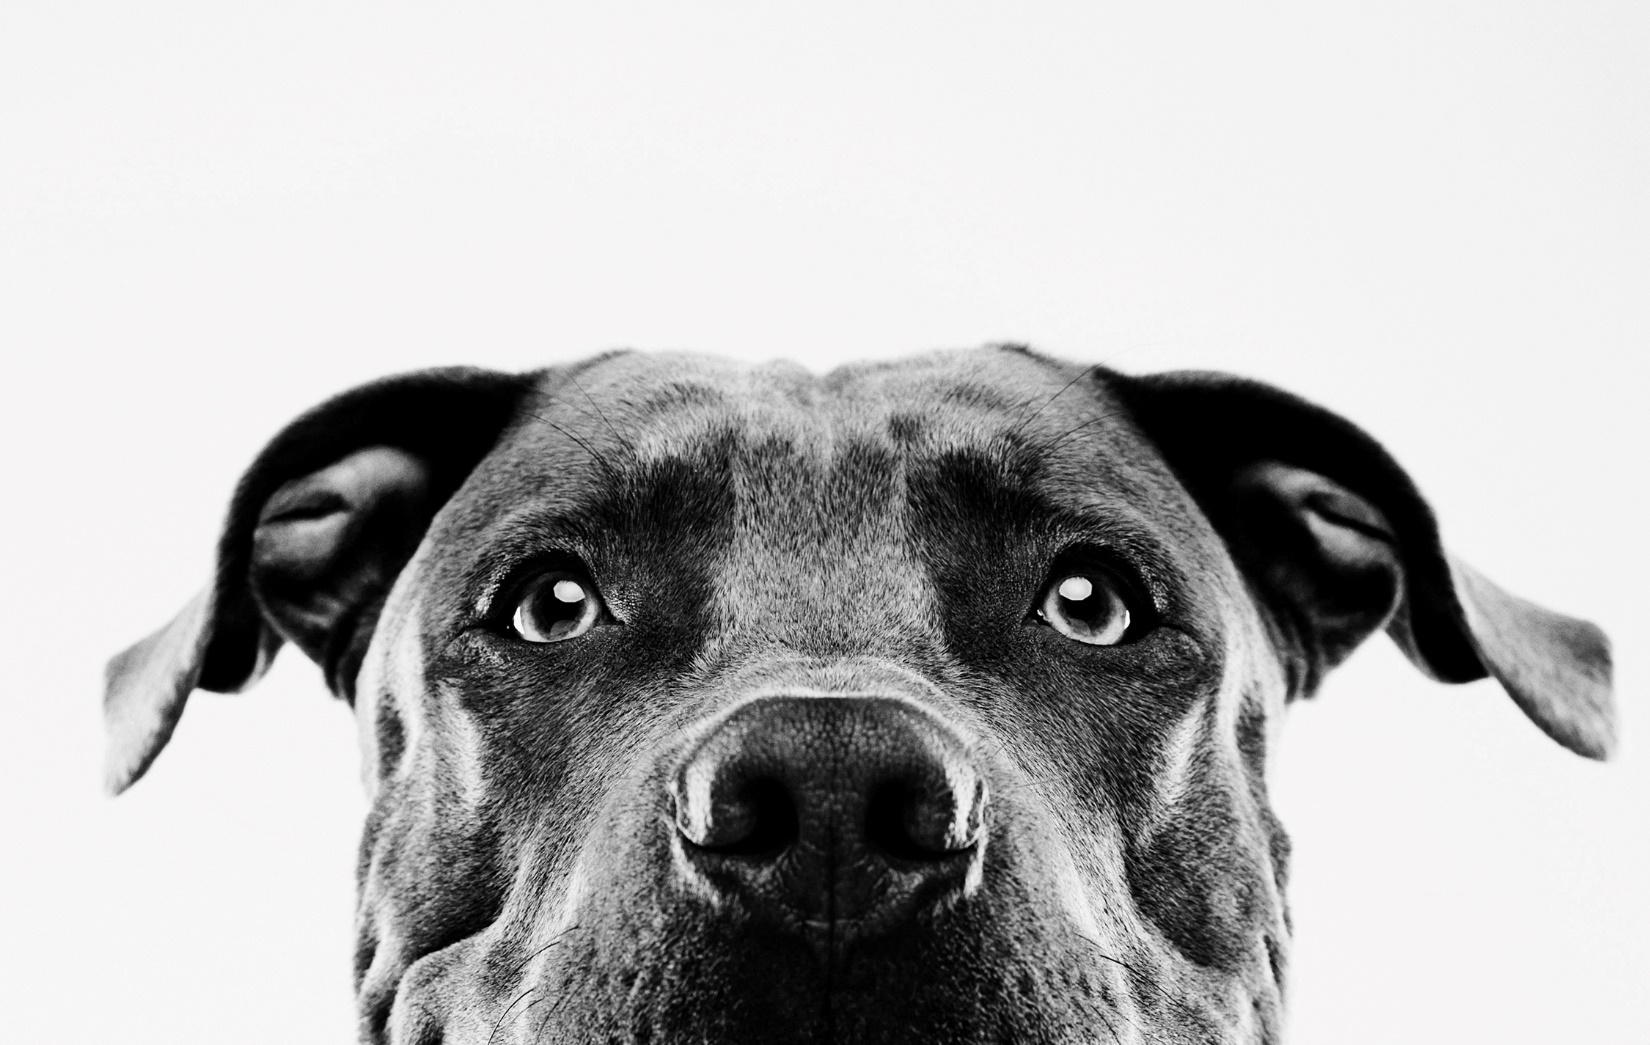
{"points": [[921, 702]]}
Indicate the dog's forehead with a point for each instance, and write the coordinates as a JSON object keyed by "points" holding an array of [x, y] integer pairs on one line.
{"points": [[1040, 420]]}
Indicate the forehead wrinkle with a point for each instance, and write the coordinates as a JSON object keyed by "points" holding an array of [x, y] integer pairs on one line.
{"points": [[655, 403], [662, 405]]}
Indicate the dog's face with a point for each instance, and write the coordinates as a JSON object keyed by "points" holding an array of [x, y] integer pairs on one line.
{"points": [[927, 702]]}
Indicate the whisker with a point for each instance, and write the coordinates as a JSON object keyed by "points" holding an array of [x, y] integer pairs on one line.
{"points": [[1136, 976], [1044, 449], [507, 1009], [1030, 784], [553, 941], [526, 1008], [601, 461], [519, 969], [1111, 1029], [548, 1014], [622, 440], [1085, 372]]}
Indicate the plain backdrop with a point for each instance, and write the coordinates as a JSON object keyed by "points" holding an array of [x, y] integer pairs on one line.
{"points": [[1430, 216]]}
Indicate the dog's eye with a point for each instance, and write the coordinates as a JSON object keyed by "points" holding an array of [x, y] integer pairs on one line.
{"points": [[1089, 605], [556, 606]]}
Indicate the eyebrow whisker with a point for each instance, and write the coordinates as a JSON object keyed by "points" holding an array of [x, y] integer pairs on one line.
{"points": [[595, 455], [594, 406], [1085, 372], [1044, 449]]}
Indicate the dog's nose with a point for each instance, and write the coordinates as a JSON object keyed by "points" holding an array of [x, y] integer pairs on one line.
{"points": [[831, 812]]}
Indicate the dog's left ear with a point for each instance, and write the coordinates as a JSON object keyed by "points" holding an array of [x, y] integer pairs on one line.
{"points": [[317, 532], [1336, 541]]}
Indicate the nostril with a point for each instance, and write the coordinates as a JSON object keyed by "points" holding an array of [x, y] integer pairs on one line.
{"points": [[758, 819], [909, 822], [891, 828]]}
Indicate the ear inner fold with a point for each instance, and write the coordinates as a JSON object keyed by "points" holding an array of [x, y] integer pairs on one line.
{"points": [[328, 547], [1324, 560]]}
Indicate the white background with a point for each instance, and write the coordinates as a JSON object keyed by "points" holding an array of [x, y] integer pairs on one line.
{"points": [[1431, 216]]}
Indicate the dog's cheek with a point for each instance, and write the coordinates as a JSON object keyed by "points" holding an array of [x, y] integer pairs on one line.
{"points": [[1196, 858], [438, 1001], [1200, 877], [430, 880], [432, 875]]}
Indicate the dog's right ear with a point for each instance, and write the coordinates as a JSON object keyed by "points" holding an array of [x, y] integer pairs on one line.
{"points": [[1336, 540], [318, 529]]}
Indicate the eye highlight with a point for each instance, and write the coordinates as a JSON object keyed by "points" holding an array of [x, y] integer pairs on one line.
{"points": [[556, 606], [1089, 605]]}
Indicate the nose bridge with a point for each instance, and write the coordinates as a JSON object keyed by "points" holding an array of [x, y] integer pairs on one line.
{"points": [[835, 597]]}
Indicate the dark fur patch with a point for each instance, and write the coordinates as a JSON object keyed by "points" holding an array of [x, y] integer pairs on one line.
{"points": [[906, 429]]}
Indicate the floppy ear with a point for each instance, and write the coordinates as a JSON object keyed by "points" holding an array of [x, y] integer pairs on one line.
{"points": [[317, 531], [1336, 542]]}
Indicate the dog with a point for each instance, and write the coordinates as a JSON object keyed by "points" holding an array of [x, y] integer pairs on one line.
{"points": [[926, 701]]}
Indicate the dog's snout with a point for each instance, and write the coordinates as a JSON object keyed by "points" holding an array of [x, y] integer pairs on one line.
{"points": [[852, 810]]}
